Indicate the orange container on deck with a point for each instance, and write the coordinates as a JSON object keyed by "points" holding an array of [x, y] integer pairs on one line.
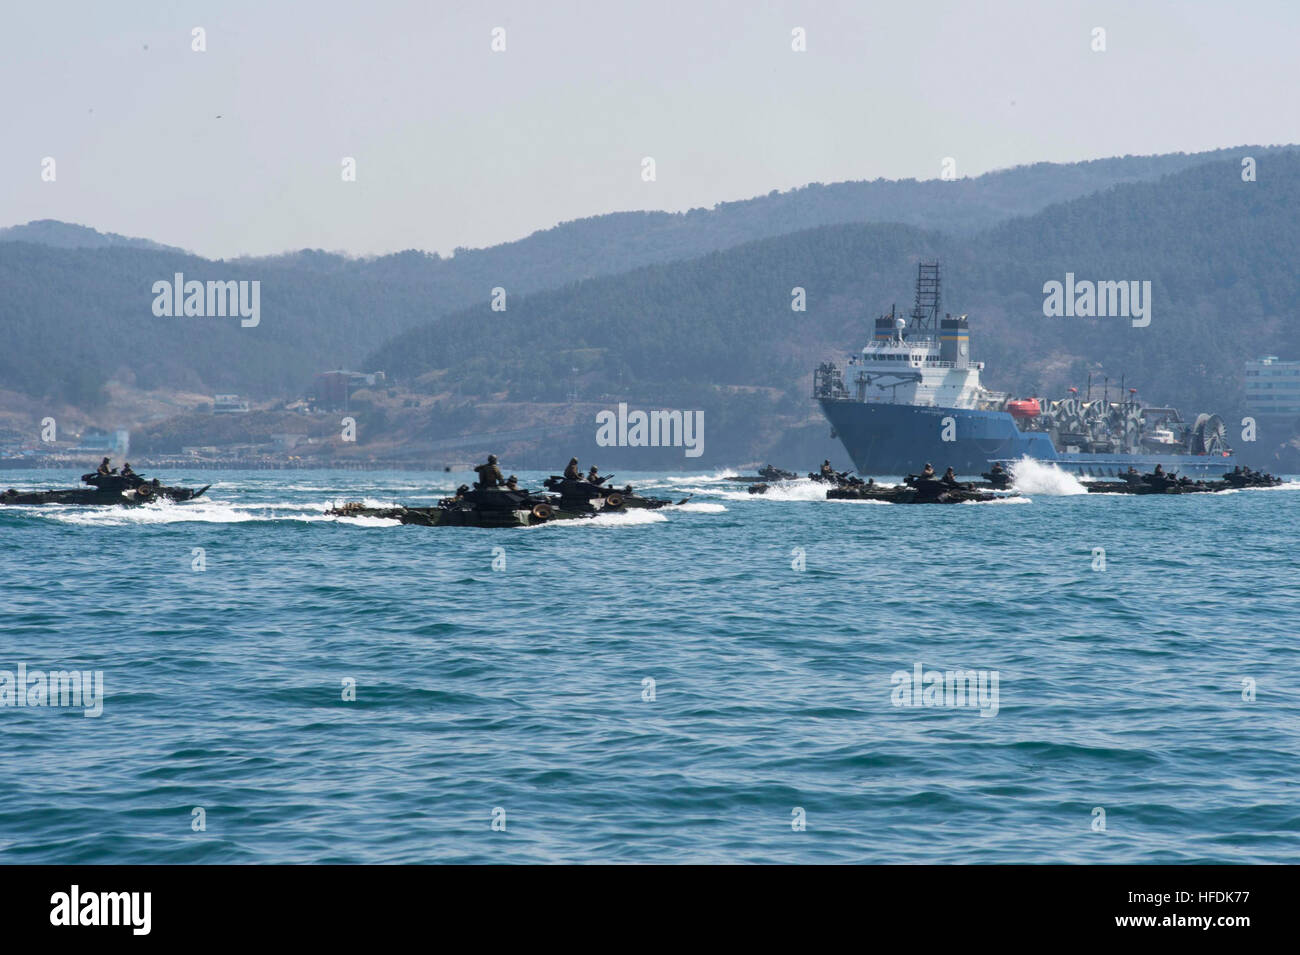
{"points": [[1024, 408]]}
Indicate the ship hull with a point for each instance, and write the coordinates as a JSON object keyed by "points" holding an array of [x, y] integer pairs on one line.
{"points": [[893, 439]]}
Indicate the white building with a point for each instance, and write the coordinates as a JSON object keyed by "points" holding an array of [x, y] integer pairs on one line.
{"points": [[1273, 387], [228, 404]]}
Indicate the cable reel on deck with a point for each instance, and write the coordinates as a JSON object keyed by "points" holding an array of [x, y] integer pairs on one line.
{"points": [[1209, 435]]}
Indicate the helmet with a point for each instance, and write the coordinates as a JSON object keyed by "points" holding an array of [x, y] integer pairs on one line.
{"points": [[492, 459]]}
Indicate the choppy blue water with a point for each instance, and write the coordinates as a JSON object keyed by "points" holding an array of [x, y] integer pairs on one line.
{"points": [[522, 689]]}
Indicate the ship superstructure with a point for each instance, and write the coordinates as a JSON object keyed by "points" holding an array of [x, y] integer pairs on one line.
{"points": [[921, 361]]}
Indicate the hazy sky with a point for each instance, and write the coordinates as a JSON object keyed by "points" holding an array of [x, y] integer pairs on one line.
{"points": [[456, 145]]}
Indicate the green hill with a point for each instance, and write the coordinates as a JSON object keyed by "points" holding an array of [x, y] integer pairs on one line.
{"points": [[1220, 254], [76, 304]]}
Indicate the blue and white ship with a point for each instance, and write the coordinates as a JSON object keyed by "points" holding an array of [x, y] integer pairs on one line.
{"points": [[914, 396]]}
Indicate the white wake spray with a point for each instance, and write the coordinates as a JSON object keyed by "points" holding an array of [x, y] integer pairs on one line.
{"points": [[800, 490], [1029, 476], [634, 517]]}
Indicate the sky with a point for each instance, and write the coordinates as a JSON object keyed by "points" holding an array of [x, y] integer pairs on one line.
{"points": [[238, 149]]}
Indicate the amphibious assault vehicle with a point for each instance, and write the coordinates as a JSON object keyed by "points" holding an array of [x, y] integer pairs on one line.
{"points": [[917, 490], [510, 507], [583, 496], [106, 490], [1132, 482], [486, 507], [766, 474]]}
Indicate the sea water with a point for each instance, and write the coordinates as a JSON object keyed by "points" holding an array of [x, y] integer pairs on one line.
{"points": [[738, 678]]}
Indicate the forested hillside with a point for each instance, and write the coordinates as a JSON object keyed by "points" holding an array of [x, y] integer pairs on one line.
{"points": [[75, 304], [1220, 254], [64, 235]]}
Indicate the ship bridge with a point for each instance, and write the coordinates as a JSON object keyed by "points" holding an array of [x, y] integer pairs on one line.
{"points": [[921, 360]]}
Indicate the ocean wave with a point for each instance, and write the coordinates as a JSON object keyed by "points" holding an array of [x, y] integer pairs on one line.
{"points": [[522, 683]]}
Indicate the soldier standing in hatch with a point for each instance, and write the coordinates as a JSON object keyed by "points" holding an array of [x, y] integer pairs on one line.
{"points": [[489, 474], [571, 473]]}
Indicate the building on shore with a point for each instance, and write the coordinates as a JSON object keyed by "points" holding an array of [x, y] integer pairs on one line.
{"points": [[1273, 401], [1273, 388], [334, 389], [229, 404], [114, 444]]}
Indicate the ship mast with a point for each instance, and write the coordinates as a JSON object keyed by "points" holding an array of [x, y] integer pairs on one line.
{"points": [[925, 313]]}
